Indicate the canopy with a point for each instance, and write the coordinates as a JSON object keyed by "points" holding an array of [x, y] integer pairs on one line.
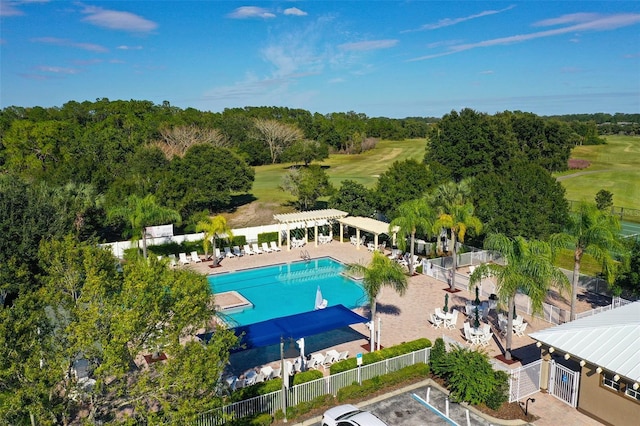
{"points": [[270, 332]]}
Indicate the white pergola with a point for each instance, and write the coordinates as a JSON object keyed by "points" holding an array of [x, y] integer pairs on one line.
{"points": [[367, 224], [308, 219]]}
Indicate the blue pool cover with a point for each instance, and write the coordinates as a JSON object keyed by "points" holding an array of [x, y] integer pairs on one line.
{"points": [[270, 332]]}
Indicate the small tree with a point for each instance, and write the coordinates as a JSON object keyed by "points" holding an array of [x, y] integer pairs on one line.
{"points": [[307, 184], [413, 216], [213, 228], [604, 200], [276, 135]]}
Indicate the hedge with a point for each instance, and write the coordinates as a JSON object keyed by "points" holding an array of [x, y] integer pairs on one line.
{"points": [[356, 391], [267, 237], [386, 353]]}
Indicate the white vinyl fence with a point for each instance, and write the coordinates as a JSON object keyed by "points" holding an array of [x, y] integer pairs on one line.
{"points": [[305, 392]]}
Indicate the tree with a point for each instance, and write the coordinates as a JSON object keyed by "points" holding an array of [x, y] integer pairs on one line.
{"points": [[213, 228], [276, 135], [604, 199], [177, 140], [455, 213], [528, 269], [381, 272], [628, 280], [141, 213], [593, 231], [306, 151], [413, 216], [403, 181], [353, 198], [307, 184]]}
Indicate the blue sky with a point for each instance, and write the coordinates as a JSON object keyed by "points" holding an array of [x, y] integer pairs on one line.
{"points": [[381, 58]]}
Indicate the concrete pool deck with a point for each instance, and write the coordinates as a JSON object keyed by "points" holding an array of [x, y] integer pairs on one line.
{"points": [[403, 318]]}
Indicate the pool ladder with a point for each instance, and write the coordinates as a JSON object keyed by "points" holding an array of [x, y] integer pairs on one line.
{"points": [[305, 255]]}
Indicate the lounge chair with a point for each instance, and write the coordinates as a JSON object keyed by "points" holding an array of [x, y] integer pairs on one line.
{"points": [[435, 321], [172, 260], [237, 251], [277, 372], [266, 249], [239, 384], [227, 252], [267, 372], [182, 258], [274, 246], [256, 249], [331, 357], [247, 250], [217, 253], [315, 361], [342, 356], [196, 258], [520, 328]]}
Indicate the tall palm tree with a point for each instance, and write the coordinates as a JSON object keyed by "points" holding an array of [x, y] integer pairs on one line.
{"points": [[455, 213], [381, 272], [413, 216], [593, 231], [213, 228], [141, 213], [528, 269]]}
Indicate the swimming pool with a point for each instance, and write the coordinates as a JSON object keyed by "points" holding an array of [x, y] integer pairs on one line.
{"points": [[288, 289]]}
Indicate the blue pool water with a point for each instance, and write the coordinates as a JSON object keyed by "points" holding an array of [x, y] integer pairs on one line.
{"points": [[288, 289]]}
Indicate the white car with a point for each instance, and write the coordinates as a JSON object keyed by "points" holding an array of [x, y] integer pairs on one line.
{"points": [[349, 415]]}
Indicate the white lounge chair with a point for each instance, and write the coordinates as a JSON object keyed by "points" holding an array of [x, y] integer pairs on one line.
{"points": [[267, 372], [274, 246], [217, 253], [342, 356], [315, 361], [196, 258], [266, 249], [237, 251], [247, 250], [277, 372], [182, 258], [172, 260], [256, 249], [331, 357], [227, 252]]}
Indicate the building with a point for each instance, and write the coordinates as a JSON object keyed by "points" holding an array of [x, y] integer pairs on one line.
{"points": [[604, 352]]}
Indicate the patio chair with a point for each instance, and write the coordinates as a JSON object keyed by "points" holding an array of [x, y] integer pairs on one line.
{"points": [[239, 384], [520, 328], [452, 323], [297, 365], [260, 378], [172, 260], [330, 358], [267, 372], [435, 321], [371, 247], [256, 249], [274, 246], [315, 361], [472, 340], [276, 373], [342, 356], [266, 249], [247, 250], [227, 252], [182, 258], [195, 257], [237, 251], [288, 368], [353, 240], [486, 338]]}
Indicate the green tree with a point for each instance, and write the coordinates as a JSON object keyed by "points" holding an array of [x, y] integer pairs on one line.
{"points": [[593, 231], [455, 213], [628, 280], [353, 198], [604, 199], [140, 213], [403, 181], [306, 151], [528, 269], [381, 272], [276, 135], [307, 184], [413, 216], [213, 228]]}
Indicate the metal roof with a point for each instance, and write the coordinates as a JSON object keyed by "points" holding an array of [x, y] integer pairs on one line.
{"points": [[610, 340], [367, 224], [311, 215]]}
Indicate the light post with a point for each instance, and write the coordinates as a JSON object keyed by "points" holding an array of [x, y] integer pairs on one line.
{"points": [[285, 376]]}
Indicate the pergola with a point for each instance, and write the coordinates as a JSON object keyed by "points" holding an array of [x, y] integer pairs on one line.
{"points": [[367, 224], [307, 218]]}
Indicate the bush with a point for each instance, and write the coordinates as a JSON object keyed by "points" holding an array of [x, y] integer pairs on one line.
{"points": [[238, 240], [307, 376], [355, 391], [370, 358], [267, 237], [263, 419], [254, 390], [305, 407], [469, 375], [500, 392], [437, 357]]}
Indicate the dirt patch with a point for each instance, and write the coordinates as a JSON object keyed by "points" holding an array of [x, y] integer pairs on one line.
{"points": [[255, 214]]}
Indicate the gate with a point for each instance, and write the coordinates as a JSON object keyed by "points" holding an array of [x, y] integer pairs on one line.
{"points": [[563, 383], [524, 381]]}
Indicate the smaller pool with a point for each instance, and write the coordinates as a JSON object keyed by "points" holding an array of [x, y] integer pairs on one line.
{"points": [[287, 289]]}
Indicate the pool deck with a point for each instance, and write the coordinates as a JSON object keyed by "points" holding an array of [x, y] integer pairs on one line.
{"points": [[403, 318]]}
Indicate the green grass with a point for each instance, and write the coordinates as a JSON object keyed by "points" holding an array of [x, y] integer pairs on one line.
{"points": [[363, 168], [614, 167], [588, 265]]}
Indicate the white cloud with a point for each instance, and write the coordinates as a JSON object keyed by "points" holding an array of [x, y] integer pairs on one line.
{"points": [[116, 20], [69, 43], [368, 45], [124, 47], [443, 43], [57, 70], [295, 12], [246, 12], [336, 80], [9, 9], [566, 19], [487, 72], [447, 22], [597, 23]]}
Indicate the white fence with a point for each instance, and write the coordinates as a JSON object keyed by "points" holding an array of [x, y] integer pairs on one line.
{"points": [[305, 392], [524, 381]]}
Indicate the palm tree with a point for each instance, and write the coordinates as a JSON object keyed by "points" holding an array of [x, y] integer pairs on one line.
{"points": [[413, 216], [593, 231], [381, 272], [213, 227], [528, 269], [456, 214], [141, 213]]}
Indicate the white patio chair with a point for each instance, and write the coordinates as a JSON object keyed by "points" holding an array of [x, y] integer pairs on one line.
{"points": [[256, 249], [267, 372], [485, 339], [520, 328], [435, 321], [266, 249], [315, 361], [471, 339], [172, 260], [453, 321], [195, 257], [182, 258], [227, 252], [236, 251], [247, 250], [330, 358], [274, 246], [277, 372], [342, 356]]}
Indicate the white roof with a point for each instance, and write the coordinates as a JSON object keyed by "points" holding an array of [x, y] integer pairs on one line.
{"points": [[367, 224], [610, 340], [311, 215]]}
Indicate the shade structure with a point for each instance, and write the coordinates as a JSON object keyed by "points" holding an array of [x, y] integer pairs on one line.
{"points": [[270, 332]]}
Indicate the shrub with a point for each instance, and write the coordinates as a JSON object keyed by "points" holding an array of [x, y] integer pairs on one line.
{"points": [[238, 240], [578, 164], [305, 407], [356, 391], [500, 392], [370, 358], [437, 357], [267, 237], [261, 388], [307, 376], [469, 375]]}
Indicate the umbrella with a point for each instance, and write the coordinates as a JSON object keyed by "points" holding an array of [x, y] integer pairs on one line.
{"points": [[477, 301], [300, 343], [446, 302], [515, 314], [476, 322]]}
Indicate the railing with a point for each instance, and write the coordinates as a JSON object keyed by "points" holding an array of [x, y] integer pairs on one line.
{"points": [[305, 392], [524, 381]]}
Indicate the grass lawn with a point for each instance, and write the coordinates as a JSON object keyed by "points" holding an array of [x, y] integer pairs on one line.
{"points": [[615, 167], [588, 265]]}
